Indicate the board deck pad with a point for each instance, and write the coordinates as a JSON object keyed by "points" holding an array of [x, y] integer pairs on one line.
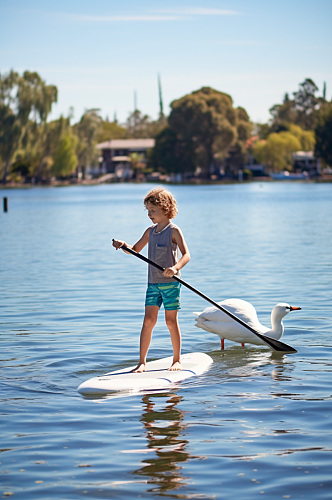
{"points": [[155, 377]]}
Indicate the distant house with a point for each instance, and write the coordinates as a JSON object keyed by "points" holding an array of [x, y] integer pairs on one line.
{"points": [[306, 161], [257, 170], [116, 153]]}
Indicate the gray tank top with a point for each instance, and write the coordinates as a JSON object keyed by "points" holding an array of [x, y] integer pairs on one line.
{"points": [[163, 251]]}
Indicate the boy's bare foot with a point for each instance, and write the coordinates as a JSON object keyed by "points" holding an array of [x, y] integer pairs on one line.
{"points": [[175, 367], [140, 368]]}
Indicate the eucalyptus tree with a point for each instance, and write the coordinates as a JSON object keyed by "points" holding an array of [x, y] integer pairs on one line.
{"points": [[65, 159], [171, 154], [207, 126], [25, 103], [111, 130], [282, 114], [48, 143], [302, 110], [307, 104], [87, 130], [10, 135], [277, 151], [323, 133], [138, 125], [10, 126]]}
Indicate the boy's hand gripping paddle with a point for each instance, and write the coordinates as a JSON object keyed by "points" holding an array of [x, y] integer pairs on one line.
{"points": [[274, 344]]}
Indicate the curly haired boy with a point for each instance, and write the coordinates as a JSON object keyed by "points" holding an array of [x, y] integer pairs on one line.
{"points": [[164, 239]]}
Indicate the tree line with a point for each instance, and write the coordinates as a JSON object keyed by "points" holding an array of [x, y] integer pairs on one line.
{"points": [[300, 123], [31, 147], [204, 132]]}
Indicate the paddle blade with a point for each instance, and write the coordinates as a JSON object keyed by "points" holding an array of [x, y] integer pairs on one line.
{"points": [[276, 344]]}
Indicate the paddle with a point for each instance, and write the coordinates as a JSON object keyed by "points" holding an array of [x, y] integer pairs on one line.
{"points": [[275, 344]]}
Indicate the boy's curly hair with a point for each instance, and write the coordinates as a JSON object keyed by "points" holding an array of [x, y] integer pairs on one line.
{"points": [[162, 198]]}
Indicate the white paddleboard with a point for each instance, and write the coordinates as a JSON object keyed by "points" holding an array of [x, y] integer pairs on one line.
{"points": [[155, 377]]}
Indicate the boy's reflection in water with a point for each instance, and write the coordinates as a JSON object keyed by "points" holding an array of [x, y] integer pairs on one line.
{"points": [[164, 428]]}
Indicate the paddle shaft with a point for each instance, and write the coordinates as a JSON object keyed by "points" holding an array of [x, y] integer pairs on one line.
{"points": [[275, 344]]}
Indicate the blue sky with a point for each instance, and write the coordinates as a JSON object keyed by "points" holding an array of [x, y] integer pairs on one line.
{"points": [[99, 52]]}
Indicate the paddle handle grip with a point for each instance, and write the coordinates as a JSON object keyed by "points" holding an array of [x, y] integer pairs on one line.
{"points": [[145, 259]]}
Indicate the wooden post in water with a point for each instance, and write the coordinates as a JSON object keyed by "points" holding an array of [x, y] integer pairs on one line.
{"points": [[5, 204]]}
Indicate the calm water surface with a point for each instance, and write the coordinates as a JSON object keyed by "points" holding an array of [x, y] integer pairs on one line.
{"points": [[256, 425]]}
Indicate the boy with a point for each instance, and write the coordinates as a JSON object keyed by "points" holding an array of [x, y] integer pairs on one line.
{"points": [[164, 239]]}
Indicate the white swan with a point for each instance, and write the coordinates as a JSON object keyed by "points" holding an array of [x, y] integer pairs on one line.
{"points": [[216, 321]]}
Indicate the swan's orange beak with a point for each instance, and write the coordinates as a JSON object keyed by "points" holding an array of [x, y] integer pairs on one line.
{"points": [[295, 308]]}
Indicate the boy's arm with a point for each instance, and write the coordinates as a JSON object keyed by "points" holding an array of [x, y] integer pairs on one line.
{"points": [[138, 246], [177, 237]]}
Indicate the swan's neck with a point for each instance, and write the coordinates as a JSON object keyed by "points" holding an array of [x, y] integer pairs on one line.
{"points": [[277, 328]]}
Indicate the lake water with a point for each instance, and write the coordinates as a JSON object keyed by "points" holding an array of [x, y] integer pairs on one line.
{"points": [[256, 425]]}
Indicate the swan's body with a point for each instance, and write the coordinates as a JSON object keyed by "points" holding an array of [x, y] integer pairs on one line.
{"points": [[216, 321]]}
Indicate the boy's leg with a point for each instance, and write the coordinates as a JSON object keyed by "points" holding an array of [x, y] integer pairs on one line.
{"points": [[150, 319], [171, 318]]}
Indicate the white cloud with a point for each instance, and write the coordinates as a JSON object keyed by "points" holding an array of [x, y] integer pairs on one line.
{"points": [[234, 43], [202, 11], [160, 15], [138, 18]]}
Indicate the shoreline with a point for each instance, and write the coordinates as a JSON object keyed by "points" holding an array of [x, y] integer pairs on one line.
{"points": [[194, 182]]}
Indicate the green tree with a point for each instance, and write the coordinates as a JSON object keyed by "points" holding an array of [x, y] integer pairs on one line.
{"points": [[10, 135], [25, 101], [138, 125], [283, 113], [305, 137], [10, 126], [110, 130], [307, 104], [323, 133], [43, 144], [86, 131], [137, 162], [207, 125], [263, 130], [171, 155], [65, 159], [303, 110], [239, 148], [276, 152]]}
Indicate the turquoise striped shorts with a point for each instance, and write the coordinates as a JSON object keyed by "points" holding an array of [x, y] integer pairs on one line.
{"points": [[164, 293]]}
